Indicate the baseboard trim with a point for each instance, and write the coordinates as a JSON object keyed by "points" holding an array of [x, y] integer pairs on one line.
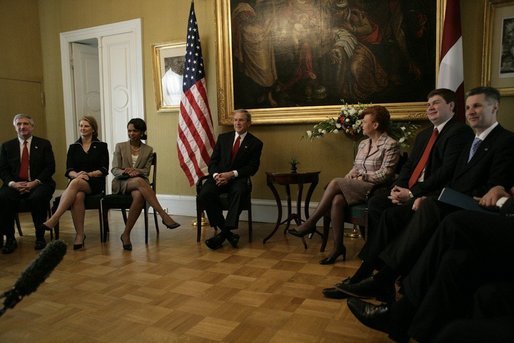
{"points": [[263, 210]]}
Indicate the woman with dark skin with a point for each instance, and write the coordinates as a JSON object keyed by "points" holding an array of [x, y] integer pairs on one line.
{"points": [[131, 166]]}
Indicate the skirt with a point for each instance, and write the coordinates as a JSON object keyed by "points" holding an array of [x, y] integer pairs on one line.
{"points": [[354, 191]]}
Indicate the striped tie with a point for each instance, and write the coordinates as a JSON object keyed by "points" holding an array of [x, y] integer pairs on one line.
{"points": [[474, 148]]}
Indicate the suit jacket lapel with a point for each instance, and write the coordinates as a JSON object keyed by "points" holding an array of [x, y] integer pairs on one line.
{"points": [[245, 144], [482, 151]]}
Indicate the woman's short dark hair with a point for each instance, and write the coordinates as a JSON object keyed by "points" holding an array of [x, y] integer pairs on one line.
{"points": [[92, 121], [380, 115], [140, 125]]}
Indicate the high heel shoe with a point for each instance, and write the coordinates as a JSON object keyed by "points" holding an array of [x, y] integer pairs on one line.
{"points": [[127, 247], [171, 226], [300, 234], [79, 246], [332, 259]]}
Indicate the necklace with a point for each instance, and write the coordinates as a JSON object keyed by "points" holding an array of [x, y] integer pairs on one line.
{"points": [[134, 149]]}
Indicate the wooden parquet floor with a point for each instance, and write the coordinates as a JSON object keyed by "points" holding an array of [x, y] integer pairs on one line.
{"points": [[175, 290]]}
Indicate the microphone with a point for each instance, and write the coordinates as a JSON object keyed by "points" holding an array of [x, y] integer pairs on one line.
{"points": [[35, 274]]}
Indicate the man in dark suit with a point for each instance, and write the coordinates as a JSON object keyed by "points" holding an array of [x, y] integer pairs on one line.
{"points": [[481, 166], [235, 158], [491, 319], [26, 168], [418, 177], [469, 250]]}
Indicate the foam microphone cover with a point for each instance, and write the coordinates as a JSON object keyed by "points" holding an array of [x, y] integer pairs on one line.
{"points": [[40, 268]]}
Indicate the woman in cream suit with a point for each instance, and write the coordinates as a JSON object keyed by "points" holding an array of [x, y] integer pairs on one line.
{"points": [[131, 166]]}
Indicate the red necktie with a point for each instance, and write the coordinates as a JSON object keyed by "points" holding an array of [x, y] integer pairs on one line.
{"points": [[424, 159], [24, 166], [235, 148]]}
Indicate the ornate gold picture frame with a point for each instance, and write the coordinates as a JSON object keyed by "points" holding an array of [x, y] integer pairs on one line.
{"points": [[233, 15], [498, 51], [168, 67]]}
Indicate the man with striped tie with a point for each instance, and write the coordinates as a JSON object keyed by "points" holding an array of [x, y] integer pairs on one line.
{"points": [[478, 171]]}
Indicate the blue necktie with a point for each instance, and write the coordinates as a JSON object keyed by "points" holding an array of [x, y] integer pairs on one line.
{"points": [[474, 147]]}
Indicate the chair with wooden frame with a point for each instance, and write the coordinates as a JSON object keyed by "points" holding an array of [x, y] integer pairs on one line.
{"points": [[246, 206], [91, 202], [25, 207], [357, 214], [123, 202]]}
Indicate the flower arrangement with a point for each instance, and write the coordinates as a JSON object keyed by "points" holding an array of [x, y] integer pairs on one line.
{"points": [[350, 123]]}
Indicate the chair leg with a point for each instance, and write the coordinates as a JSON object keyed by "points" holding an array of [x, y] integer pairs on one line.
{"points": [[156, 221], [146, 222], [199, 212], [124, 214], [18, 225], [105, 222], [100, 220], [250, 222], [326, 230]]}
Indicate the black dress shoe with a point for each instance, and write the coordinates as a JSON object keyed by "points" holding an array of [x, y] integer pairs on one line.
{"points": [[346, 281], [332, 259], [128, 246], [334, 293], [215, 242], [301, 234], [9, 246], [171, 226], [233, 239], [377, 317], [40, 244], [81, 245], [369, 288]]}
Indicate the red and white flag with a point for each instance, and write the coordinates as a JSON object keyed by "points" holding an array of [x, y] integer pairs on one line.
{"points": [[195, 139], [451, 68]]}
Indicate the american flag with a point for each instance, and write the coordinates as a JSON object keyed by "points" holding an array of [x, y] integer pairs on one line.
{"points": [[195, 139], [451, 69]]}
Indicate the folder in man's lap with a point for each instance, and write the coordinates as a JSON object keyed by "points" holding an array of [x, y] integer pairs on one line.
{"points": [[452, 197]]}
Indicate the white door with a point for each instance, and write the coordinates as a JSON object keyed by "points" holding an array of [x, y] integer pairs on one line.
{"points": [[120, 76], [120, 86], [86, 83]]}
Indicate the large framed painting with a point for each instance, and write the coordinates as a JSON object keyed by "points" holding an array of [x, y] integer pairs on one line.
{"points": [[298, 61], [498, 53], [169, 59]]}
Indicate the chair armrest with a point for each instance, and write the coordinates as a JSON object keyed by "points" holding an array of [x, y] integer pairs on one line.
{"points": [[199, 183]]}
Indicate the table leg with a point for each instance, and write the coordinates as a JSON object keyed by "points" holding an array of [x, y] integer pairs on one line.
{"points": [[279, 207]]}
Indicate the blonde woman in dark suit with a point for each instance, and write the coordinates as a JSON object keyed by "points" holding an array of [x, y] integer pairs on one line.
{"points": [[131, 166]]}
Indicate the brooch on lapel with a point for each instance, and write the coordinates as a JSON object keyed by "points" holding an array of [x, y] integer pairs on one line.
{"points": [[35, 147]]}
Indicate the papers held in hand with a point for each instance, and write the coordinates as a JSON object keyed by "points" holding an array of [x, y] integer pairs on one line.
{"points": [[122, 177], [452, 197]]}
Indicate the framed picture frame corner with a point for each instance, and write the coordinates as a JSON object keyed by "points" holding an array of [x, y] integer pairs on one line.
{"points": [[168, 66]]}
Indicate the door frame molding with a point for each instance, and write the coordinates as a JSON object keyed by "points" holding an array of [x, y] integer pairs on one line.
{"points": [[97, 32]]}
